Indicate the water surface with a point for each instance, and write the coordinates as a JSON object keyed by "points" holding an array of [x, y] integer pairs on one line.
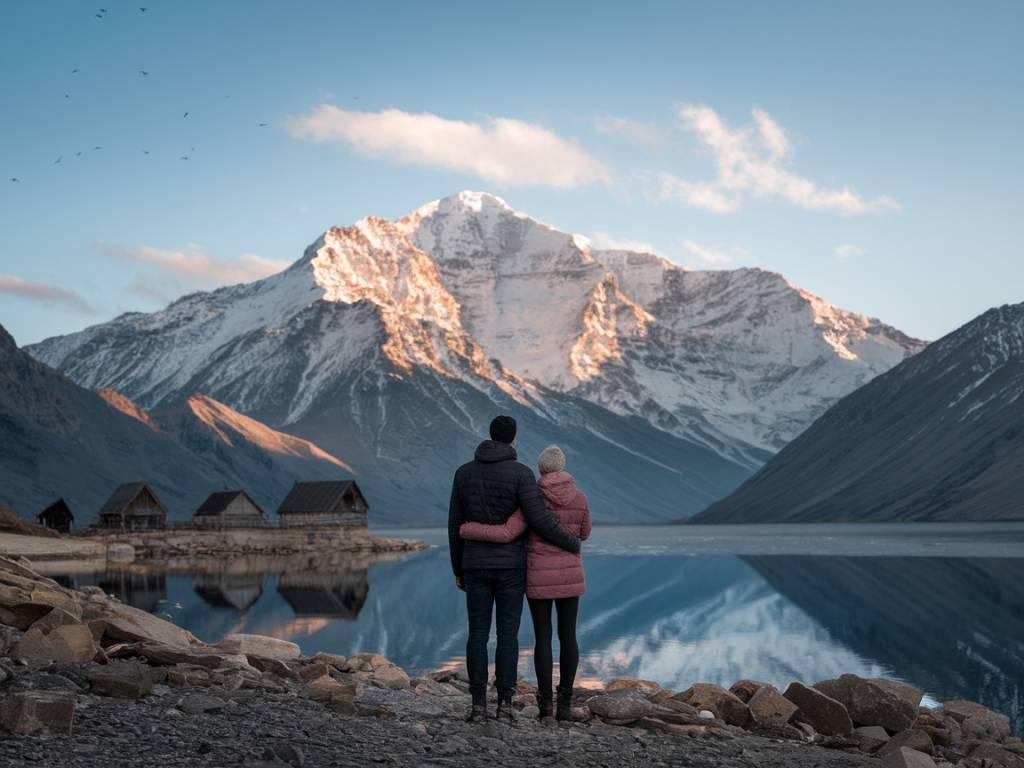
{"points": [[941, 606]]}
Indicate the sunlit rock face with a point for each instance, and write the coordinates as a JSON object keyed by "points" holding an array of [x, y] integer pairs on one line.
{"points": [[390, 339]]}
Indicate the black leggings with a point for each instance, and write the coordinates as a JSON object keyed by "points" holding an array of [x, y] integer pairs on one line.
{"points": [[569, 655]]}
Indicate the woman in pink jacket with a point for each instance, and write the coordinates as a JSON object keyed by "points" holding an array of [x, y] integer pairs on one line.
{"points": [[554, 577]]}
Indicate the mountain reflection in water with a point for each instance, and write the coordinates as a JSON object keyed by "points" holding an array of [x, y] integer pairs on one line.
{"points": [[953, 626]]}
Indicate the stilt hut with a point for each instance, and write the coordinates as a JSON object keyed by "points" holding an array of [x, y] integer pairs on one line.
{"points": [[133, 507], [57, 517], [229, 509], [330, 502]]}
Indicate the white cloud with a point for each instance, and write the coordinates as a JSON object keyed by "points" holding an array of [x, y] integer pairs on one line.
{"points": [[750, 163], [602, 241], [196, 265], [847, 251], [633, 130], [707, 256], [45, 293], [501, 150]]}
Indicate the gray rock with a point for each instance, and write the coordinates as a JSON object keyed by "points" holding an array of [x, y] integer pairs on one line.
{"points": [[623, 705], [869, 703], [723, 704], [871, 738], [911, 739], [978, 722], [745, 689], [200, 703], [127, 681], [828, 716], [907, 758], [769, 708], [34, 712]]}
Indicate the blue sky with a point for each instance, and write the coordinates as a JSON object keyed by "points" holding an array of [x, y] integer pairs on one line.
{"points": [[868, 151]]}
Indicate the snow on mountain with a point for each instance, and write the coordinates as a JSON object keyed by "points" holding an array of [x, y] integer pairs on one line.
{"points": [[938, 437], [387, 331]]}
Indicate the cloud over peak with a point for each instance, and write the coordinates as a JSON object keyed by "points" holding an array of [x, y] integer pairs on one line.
{"points": [[196, 265], [750, 163], [45, 293], [500, 150]]}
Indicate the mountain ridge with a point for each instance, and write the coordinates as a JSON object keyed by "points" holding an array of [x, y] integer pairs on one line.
{"points": [[465, 308], [939, 437]]}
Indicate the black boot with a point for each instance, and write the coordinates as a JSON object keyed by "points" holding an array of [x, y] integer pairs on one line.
{"points": [[564, 711], [545, 706], [505, 714], [478, 714]]}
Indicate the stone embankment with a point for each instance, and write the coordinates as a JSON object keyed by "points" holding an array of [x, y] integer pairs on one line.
{"points": [[189, 544], [88, 681]]}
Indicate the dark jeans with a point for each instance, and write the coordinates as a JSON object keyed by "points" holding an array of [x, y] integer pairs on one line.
{"points": [[487, 589], [569, 650]]}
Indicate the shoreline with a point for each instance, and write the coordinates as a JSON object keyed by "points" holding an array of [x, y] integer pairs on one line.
{"points": [[86, 680]]}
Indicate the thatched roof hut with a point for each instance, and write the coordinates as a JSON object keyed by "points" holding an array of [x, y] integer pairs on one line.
{"points": [[57, 517]]}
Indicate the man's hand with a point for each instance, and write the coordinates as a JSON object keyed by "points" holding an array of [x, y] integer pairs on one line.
{"points": [[460, 583]]}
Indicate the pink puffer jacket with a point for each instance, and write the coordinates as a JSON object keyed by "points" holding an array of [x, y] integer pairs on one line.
{"points": [[551, 573]]}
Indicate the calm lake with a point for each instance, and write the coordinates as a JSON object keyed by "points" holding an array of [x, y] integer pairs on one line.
{"points": [[941, 606]]}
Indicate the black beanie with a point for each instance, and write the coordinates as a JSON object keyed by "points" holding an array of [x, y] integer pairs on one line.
{"points": [[503, 429]]}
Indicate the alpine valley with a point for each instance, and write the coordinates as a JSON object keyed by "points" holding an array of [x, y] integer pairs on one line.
{"points": [[390, 344]]}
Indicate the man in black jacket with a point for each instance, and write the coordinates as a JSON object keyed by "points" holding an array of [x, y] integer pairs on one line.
{"points": [[488, 490]]}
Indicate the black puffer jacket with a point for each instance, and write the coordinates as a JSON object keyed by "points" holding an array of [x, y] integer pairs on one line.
{"points": [[488, 490]]}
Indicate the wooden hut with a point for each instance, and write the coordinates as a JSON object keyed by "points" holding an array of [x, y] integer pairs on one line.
{"points": [[57, 517], [133, 507], [229, 509], [329, 502]]}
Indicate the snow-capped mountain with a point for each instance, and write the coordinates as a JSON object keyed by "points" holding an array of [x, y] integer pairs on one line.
{"points": [[939, 437], [391, 343]]}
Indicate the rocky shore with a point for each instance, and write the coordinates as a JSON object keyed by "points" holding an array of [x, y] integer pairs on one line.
{"points": [[88, 681]]}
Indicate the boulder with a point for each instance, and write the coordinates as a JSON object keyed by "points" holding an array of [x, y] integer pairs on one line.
{"points": [[907, 758], [909, 693], [391, 677], [164, 655], [996, 755], [869, 703], [272, 666], [828, 716], [769, 708], [725, 706], [374, 660], [260, 645], [626, 705], [125, 681], [55, 617], [311, 672], [200, 703], [36, 712], [871, 738], [326, 688], [978, 722], [124, 623], [18, 611], [340, 663], [645, 687], [911, 739], [67, 642], [745, 689], [663, 695]]}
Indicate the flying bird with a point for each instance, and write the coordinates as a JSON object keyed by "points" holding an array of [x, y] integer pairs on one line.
{"points": [[67, 95], [145, 151], [103, 10], [99, 15], [185, 115], [184, 157], [144, 72], [73, 71], [78, 154], [95, 148], [58, 159], [263, 125], [142, 9], [15, 180]]}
